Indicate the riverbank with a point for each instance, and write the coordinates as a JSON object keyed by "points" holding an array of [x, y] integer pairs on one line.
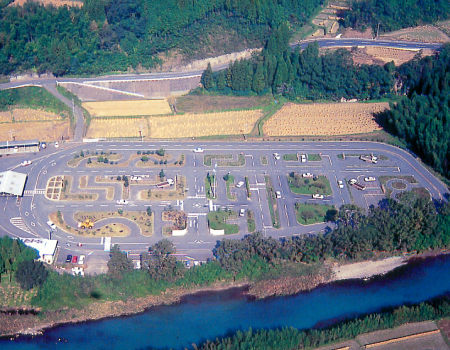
{"points": [[16, 323]]}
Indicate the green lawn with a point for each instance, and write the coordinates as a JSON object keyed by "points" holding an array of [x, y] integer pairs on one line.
{"points": [[229, 180], [301, 185], [273, 208], [314, 157], [218, 221], [307, 214], [208, 183], [264, 160], [290, 157], [250, 221], [224, 160]]}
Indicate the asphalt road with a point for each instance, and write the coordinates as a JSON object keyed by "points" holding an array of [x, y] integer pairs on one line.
{"points": [[27, 218]]}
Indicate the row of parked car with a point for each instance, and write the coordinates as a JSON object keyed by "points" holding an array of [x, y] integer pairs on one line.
{"points": [[74, 259]]}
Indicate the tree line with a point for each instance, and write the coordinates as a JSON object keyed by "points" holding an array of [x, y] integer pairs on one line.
{"points": [[103, 36], [301, 75], [389, 15]]}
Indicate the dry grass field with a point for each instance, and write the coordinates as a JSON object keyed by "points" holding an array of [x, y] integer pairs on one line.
{"points": [[127, 108], [198, 125], [324, 119], [383, 55], [444, 26], [428, 34], [27, 115], [45, 131], [56, 3], [117, 127]]}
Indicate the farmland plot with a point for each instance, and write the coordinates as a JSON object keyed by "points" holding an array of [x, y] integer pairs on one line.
{"points": [[117, 127], [127, 108], [324, 119], [197, 125], [45, 131]]}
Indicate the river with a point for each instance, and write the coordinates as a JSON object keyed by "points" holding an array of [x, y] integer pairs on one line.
{"points": [[211, 315]]}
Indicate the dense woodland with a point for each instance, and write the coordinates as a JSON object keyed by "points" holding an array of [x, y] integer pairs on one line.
{"points": [[302, 75], [104, 36], [422, 119], [390, 15]]}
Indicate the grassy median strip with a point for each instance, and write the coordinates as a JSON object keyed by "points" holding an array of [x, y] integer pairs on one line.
{"points": [[229, 180], [218, 221], [273, 208], [251, 226], [314, 157], [210, 186], [308, 214], [290, 157], [224, 160], [307, 185]]}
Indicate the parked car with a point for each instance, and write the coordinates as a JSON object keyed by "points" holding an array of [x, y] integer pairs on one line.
{"points": [[56, 144], [317, 196], [81, 259], [352, 181], [369, 179], [74, 259], [25, 162], [69, 258], [340, 184], [122, 202], [277, 194], [303, 158], [242, 212], [276, 156], [307, 175], [51, 224], [198, 150], [240, 184]]}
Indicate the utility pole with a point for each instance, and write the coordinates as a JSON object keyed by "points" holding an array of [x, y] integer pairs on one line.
{"points": [[378, 28]]}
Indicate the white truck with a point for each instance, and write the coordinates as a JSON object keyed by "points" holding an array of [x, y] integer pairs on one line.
{"points": [[370, 158], [167, 183]]}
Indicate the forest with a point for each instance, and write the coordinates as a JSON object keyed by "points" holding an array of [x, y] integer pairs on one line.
{"points": [[104, 36], [422, 118], [301, 75], [389, 15]]}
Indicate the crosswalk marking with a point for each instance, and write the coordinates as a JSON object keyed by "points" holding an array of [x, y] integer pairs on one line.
{"points": [[30, 193], [18, 222]]}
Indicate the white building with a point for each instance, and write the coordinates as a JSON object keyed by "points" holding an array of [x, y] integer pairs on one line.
{"points": [[45, 247], [12, 183]]}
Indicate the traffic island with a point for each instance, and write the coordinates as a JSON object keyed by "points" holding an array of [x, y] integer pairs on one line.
{"points": [[272, 200], [224, 160], [218, 220], [309, 184], [308, 214], [60, 187], [177, 223]]}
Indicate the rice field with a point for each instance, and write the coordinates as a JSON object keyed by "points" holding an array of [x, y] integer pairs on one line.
{"points": [[117, 127], [45, 131], [127, 108], [324, 119], [27, 115], [198, 125]]}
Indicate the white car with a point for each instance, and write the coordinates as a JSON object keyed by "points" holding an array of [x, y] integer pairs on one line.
{"points": [[340, 184], [240, 184], [369, 179], [277, 194], [242, 212], [303, 158], [81, 259], [317, 196], [307, 175], [352, 181], [25, 162], [276, 156], [56, 144], [122, 202], [51, 224], [198, 150]]}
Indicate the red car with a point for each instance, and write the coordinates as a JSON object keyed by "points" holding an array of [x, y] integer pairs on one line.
{"points": [[74, 259]]}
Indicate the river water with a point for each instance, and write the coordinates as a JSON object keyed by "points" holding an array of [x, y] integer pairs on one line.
{"points": [[211, 315]]}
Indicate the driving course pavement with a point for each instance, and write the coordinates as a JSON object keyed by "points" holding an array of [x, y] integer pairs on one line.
{"points": [[27, 216]]}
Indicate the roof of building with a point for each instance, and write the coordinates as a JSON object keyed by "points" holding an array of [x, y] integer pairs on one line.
{"points": [[43, 246], [12, 182], [19, 143]]}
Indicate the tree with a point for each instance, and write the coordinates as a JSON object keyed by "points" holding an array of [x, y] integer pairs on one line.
{"points": [[118, 263], [31, 274], [162, 175], [161, 263], [207, 78], [149, 211]]}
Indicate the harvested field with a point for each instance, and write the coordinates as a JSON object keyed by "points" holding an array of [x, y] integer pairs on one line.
{"points": [[46, 131], [117, 127], [198, 125], [27, 115], [55, 3], [444, 26], [127, 108], [383, 55], [427, 34], [203, 104], [324, 119]]}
